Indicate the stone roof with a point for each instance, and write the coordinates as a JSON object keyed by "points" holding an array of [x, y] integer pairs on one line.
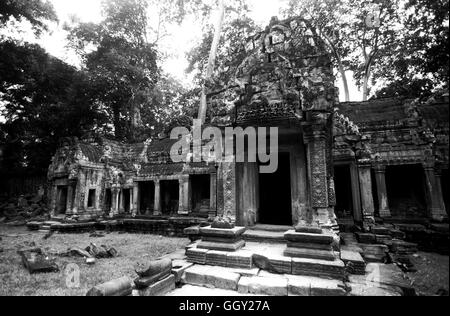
{"points": [[374, 112], [91, 152]]}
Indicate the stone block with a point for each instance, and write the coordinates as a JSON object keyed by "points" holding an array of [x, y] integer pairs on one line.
{"points": [[195, 255], [310, 254], [221, 246], [179, 267], [372, 291], [323, 239], [273, 286], [354, 262], [213, 277], [311, 286], [160, 288], [222, 233], [240, 259], [291, 244], [318, 268], [216, 258], [282, 265]]}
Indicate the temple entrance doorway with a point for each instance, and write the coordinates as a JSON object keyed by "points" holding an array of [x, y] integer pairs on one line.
{"points": [[200, 193], [147, 197], [170, 196], [344, 195], [275, 194], [61, 200]]}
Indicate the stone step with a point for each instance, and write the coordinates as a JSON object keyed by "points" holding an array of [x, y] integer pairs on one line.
{"points": [[272, 228], [318, 268], [264, 236], [327, 255], [211, 277]]}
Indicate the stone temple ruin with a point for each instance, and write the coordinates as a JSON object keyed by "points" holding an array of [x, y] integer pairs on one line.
{"points": [[340, 164]]}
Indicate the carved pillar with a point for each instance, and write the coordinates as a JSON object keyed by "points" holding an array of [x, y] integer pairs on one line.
{"points": [[54, 200], [356, 193], [229, 189], [80, 194], [436, 211], [157, 210], [121, 202], [383, 202], [316, 140], [365, 181]]}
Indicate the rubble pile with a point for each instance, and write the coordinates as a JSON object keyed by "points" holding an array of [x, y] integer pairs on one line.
{"points": [[17, 211]]}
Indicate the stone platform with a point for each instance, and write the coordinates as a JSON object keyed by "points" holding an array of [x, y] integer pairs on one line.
{"points": [[226, 240], [310, 243]]}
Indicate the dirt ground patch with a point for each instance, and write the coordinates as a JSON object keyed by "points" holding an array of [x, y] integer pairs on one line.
{"points": [[133, 249], [432, 277]]}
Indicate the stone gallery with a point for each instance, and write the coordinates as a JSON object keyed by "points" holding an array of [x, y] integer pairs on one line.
{"points": [[339, 163]]}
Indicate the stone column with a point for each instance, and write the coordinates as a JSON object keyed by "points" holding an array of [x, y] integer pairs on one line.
{"points": [[365, 182], [135, 210], [213, 193], [437, 212], [383, 202], [356, 193], [54, 200], [229, 188], [438, 174], [70, 193], [157, 210], [183, 208], [131, 203], [115, 201], [121, 202]]}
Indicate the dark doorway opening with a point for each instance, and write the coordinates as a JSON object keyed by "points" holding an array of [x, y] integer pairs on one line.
{"points": [[61, 204], [91, 198], [344, 195], [275, 194], [147, 197], [445, 188], [200, 193], [108, 200], [406, 191], [170, 196], [126, 200]]}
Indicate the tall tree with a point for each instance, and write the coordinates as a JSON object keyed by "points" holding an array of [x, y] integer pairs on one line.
{"points": [[212, 59], [37, 12], [329, 19], [123, 64]]}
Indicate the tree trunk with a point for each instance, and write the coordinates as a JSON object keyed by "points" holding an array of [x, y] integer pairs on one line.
{"points": [[212, 60], [366, 82], [344, 81]]}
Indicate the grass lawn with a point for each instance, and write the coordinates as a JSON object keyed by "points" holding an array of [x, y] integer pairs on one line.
{"points": [[134, 250]]}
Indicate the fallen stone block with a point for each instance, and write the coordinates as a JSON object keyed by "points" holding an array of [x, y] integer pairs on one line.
{"points": [[159, 288], [273, 286], [119, 287], [156, 271], [35, 261], [354, 262]]}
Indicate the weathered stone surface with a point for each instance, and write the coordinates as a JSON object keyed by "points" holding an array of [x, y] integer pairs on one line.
{"points": [[119, 287], [216, 232], [216, 258], [195, 255], [273, 286], [371, 291], [35, 261], [311, 286], [214, 277], [310, 254], [240, 259], [308, 238], [179, 267], [375, 253], [308, 229], [160, 288], [291, 244], [221, 246], [318, 268], [354, 262]]}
